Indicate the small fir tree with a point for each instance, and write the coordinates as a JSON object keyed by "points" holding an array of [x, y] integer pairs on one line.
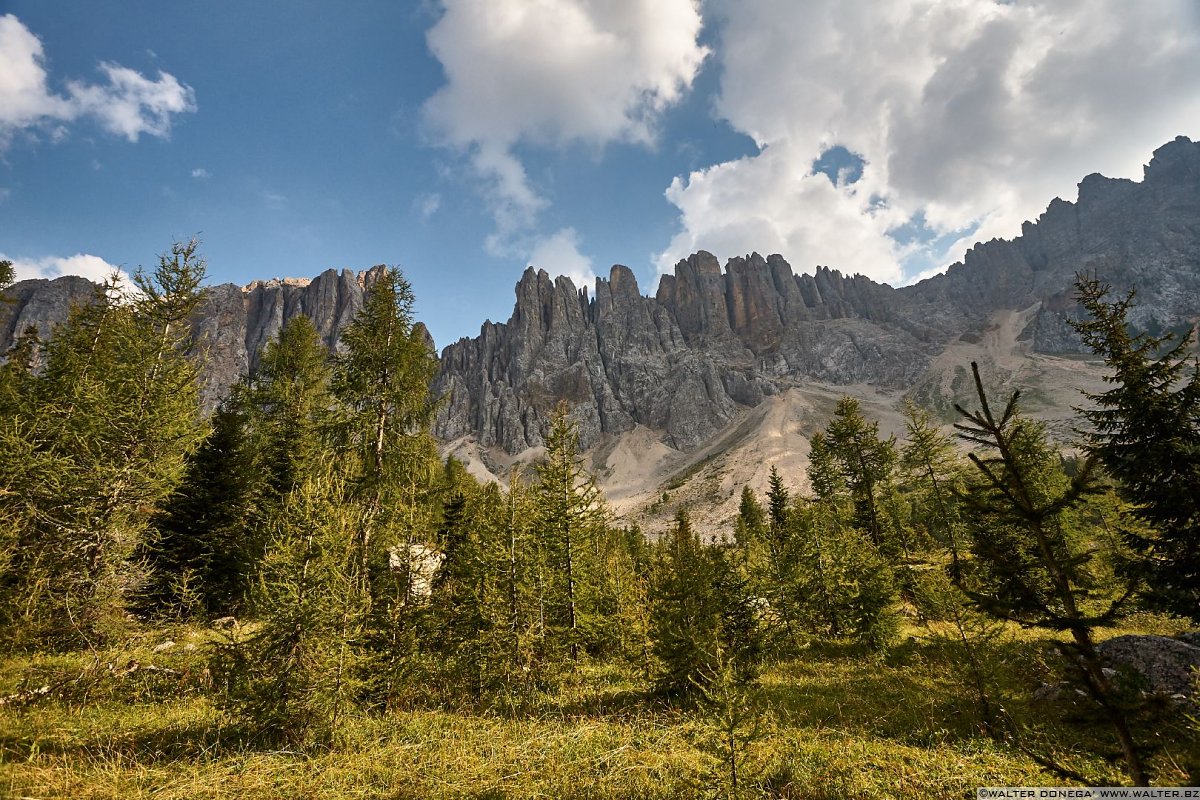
{"points": [[1146, 433], [1031, 564], [866, 463], [570, 514]]}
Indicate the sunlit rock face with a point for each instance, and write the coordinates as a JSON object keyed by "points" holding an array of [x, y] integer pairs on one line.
{"points": [[713, 341], [716, 340]]}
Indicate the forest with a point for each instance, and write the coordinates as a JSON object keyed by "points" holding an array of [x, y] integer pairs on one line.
{"points": [[297, 595]]}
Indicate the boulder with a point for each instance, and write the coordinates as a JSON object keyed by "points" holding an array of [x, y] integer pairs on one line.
{"points": [[1168, 666]]}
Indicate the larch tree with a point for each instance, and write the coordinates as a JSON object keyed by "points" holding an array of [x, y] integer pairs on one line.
{"points": [[703, 626], [109, 422], [1031, 564], [389, 457], [867, 462], [570, 516], [1146, 434]]}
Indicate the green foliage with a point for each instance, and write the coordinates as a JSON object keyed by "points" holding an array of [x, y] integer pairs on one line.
{"points": [[1146, 433], [1032, 565], [845, 586], [570, 520], [295, 674], [7, 274], [932, 470], [200, 549], [866, 463], [97, 442], [470, 625], [266, 438], [703, 621], [384, 448], [751, 522]]}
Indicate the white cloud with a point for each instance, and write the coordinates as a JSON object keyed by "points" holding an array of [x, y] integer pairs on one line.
{"points": [[553, 73], [970, 112], [87, 266], [127, 103], [426, 205], [201, 174], [276, 201], [559, 254]]}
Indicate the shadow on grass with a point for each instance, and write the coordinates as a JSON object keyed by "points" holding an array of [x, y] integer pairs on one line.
{"points": [[915, 694], [170, 742]]}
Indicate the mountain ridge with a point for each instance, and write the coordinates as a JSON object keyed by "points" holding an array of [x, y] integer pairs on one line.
{"points": [[688, 364]]}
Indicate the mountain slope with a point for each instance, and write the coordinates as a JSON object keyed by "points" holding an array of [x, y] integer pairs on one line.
{"points": [[723, 372]]}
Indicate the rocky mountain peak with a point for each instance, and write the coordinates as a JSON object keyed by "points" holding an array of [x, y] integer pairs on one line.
{"points": [[713, 342]]}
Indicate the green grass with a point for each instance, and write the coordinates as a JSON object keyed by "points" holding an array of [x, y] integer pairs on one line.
{"points": [[837, 723]]}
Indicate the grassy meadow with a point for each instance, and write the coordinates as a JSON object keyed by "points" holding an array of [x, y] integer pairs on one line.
{"points": [[831, 722]]}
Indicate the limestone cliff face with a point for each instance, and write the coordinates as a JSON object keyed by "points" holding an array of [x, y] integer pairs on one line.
{"points": [[714, 342], [231, 326]]}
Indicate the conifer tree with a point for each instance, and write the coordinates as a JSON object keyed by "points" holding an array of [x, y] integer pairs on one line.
{"points": [[751, 521], [289, 409], [931, 464], [570, 513], [100, 444], [267, 437], [469, 610], [1146, 434], [866, 462], [296, 674], [1031, 566], [780, 556], [844, 584], [702, 620], [382, 382], [198, 548], [7, 273]]}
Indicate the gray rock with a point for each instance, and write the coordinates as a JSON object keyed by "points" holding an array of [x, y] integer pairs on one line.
{"points": [[1168, 666], [1190, 637], [712, 343]]}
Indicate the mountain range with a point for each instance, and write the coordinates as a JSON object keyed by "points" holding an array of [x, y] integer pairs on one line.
{"points": [[691, 393]]}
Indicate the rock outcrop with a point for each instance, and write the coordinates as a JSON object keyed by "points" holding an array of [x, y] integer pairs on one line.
{"points": [[713, 342], [1165, 666]]}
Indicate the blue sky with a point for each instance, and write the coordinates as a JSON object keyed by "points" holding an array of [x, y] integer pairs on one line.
{"points": [[462, 140]]}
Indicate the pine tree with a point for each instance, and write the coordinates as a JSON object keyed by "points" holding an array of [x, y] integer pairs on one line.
{"points": [[267, 437], [198, 550], [931, 464], [295, 675], [1146, 433], [847, 588], [100, 443], [7, 274], [751, 522], [1031, 566], [570, 513], [780, 557], [702, 619], [866, 462], [384, 447], [382, 381], [469, 614], [289, 409]]}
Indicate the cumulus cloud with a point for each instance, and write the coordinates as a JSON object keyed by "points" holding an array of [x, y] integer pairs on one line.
{"points": [[201, 174], [126, 103], [87, 266], [553, 73], [559, 254], [969, 116]]}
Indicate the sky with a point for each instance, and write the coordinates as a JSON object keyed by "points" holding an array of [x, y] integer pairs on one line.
{"points": [[462, 140]]}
